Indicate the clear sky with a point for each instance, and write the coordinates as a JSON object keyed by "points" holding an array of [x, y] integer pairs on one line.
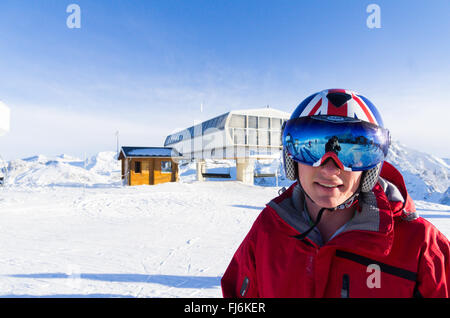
{"points": [[144, 68]]}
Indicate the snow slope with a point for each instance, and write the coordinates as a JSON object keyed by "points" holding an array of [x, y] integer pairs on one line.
{"points": [[169, 240]]}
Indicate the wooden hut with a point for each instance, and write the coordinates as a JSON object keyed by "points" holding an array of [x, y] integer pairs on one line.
{"points": [[148, 165]]}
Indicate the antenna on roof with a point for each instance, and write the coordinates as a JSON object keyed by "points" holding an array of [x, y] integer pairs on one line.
{"points": [[117, 141]]}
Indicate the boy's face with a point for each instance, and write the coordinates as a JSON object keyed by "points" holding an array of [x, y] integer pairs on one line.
{"points": [[327, 185]]}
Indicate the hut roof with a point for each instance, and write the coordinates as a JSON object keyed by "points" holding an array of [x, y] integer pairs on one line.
{"points": [[166, 152]]}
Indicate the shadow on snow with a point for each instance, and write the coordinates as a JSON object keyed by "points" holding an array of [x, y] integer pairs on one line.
{"points": [[438, 216], [248, 207], [168, 280]]}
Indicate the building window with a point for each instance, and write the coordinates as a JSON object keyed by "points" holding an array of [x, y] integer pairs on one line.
{"points": [[263, 138], [237, 121], [166, 166], [264, 123], [252, 137], [252, 122], [137, 167], [276, 123], [275, 138], [239, 136]]}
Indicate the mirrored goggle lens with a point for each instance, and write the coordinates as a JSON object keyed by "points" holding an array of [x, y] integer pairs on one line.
{"points": [[356, 144]]}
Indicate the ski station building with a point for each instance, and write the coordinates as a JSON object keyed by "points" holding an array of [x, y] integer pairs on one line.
{"points": [[241, 135]]}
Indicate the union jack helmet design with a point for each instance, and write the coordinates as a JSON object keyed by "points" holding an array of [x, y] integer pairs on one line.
{"points": [[339, 102]]}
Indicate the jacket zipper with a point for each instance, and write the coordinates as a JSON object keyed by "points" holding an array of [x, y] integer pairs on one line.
{"points": [[244, 287], [345, 291]]}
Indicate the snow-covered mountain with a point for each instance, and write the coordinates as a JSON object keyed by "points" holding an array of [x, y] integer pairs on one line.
{"points": [[426, 176], [445, 197], [63, 170]]}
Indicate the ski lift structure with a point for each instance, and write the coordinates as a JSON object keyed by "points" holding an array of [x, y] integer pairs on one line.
{"points": [[240, 135], [4, 128]]}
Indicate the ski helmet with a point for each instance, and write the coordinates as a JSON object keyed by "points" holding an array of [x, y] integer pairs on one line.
{"points": [[339, 124]]}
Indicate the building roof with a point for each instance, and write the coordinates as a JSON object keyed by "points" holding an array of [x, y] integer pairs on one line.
{"points": [[148, 152], [266, 111]]}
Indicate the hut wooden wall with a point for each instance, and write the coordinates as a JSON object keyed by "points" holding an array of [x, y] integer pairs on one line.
{"points": [[144, 176], [162, 177], [151, 171]]}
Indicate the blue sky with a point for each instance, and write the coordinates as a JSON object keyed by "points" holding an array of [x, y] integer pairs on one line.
{"points": [[145, 67]]}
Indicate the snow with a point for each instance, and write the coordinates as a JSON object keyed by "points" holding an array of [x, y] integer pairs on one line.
{"points": [[68, 228], [168, 240]]}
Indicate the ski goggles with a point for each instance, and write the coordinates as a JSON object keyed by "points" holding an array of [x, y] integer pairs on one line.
{"points": [[353, 144]]}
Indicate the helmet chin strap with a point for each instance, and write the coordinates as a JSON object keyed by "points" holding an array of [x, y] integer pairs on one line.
{"points": [[319, 216], [348, 203]]}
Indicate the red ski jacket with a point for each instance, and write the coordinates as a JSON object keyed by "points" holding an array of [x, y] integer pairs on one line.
{"points": [[386, 250]]}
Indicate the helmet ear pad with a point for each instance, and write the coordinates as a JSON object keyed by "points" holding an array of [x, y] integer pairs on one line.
{"points": [[370, 177], [290, 166]]}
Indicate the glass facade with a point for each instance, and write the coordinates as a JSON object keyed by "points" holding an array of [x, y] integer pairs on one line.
{"points": [[276, 123], [206, 127], [256, 130], [244, 130], [252, 122], [238, 121], [252, 139], [263, 138], [238, 136], [264, 123]]}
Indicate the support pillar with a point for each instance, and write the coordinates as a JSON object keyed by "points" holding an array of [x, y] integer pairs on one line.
{"points": [[200, 169], [245, 170]]}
